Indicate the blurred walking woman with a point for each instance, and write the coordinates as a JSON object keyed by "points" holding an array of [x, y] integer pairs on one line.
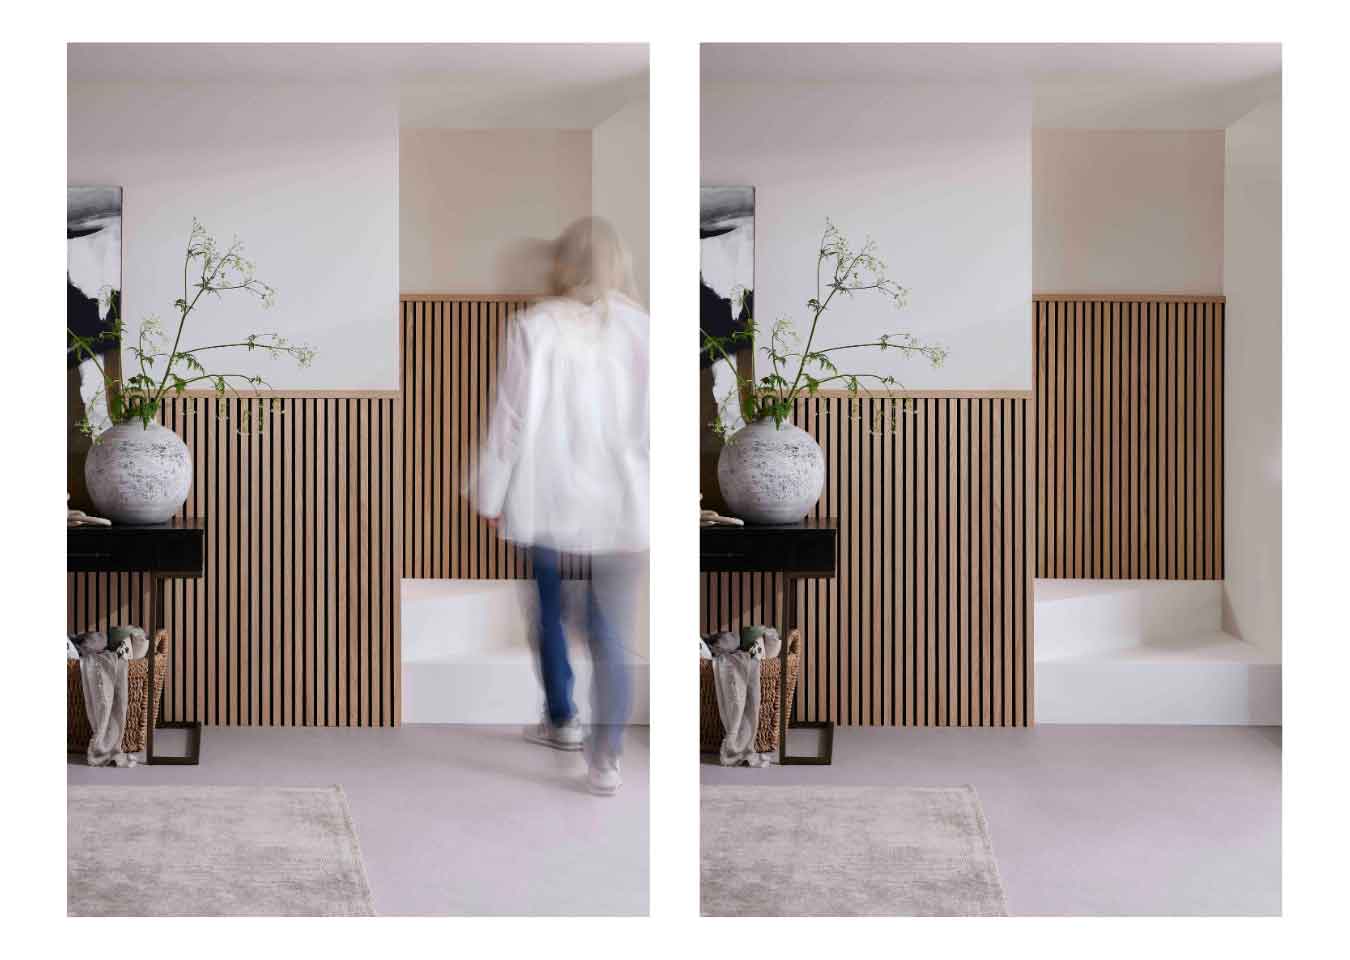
{"points": [[564, 470]]}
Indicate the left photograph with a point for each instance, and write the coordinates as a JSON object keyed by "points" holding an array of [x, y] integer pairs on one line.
{"points": [[357, 530]]}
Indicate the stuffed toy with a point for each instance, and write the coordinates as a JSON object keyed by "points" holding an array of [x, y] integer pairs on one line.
{"points": [[139, 643], [767, 637]]}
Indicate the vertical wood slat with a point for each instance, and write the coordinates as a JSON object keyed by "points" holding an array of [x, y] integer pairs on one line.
{"points": [[1128, 474], [452, 350], [284, 628], [937, 547]]}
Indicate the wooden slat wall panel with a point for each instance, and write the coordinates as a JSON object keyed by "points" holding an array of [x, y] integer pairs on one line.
{"points": [[1129, 464], [296, 621], [451, 354], [96, 601], [928, 622]]}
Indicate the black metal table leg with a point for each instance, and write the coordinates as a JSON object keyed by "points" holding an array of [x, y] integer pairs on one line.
{"points": [[784, 708], [156, 617], [788, 619], [193, 756]]}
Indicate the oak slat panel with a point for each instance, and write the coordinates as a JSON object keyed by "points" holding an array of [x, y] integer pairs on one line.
{"points": [[961, 556], [1060, 545], [1039, 336], [862, 614], [996, 570], [261, 470], [452, 352], [951, 533], [449, 435], [908, 510], [935, 541], [1152, 397], [364, 441], [1105, 434], [282, 628], [1077, 457], [930, 601], [309, 509], [1026, 567], [1216, 358], [1167, 448], [1128, 465], [981, 503]]}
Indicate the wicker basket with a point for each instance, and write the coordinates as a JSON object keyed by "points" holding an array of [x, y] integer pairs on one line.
{"points": [[78, 731], [710, 729]]}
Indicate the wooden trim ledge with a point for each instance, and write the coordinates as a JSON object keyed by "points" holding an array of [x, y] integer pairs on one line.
{"points": [[470, 297], [956, 394], [1129, 297], [245, 394]]}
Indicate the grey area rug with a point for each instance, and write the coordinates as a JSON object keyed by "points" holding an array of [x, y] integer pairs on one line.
{"points": [[847, 852], [213, 852]]}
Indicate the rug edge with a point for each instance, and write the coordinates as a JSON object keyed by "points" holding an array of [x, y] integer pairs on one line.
{"points": [[361, 874], [988, 837]]}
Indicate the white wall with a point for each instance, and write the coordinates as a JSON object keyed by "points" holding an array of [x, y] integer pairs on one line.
{"points": [[620, 161], [1128, 211], [1252, 384], [939, 176], [306, 176], [475, 205]]}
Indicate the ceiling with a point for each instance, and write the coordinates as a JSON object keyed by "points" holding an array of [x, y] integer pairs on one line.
{"points": [[471, 85], [1084, 85]]}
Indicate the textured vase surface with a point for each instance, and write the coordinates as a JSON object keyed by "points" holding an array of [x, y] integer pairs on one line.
{"points": [[138, 474], [771, 474]]}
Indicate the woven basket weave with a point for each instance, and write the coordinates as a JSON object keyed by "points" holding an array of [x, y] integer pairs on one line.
{"points": [[710, 729], [78, 730]]}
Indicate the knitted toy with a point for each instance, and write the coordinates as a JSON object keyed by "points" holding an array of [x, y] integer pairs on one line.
{"points": [[767, 637], [139, 643]]}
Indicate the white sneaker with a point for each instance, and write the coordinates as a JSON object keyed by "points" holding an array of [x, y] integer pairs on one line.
{"points": [[603, 776], [564, 736]]}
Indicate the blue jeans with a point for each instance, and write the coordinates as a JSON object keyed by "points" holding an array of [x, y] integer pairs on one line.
{"points": [[608, 603]]}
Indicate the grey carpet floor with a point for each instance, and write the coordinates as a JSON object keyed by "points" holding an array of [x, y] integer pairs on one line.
{"points": [[846, 851], [1091, 821], [138, 851]]}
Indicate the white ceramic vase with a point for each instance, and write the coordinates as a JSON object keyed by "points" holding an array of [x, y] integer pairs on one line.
{"points": [[771, 474], [137, 473]]}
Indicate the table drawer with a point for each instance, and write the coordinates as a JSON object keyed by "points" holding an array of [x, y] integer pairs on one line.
{"points": [[789, 550], [107, 549]]}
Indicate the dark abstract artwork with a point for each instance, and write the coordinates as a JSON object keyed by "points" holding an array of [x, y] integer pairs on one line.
{"points": [[726, 305], [93, 302], [93, 258], [727, 259]]}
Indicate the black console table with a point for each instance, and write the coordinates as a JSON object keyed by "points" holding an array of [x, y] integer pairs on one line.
{"points": [[798, 551], [165, 551]]}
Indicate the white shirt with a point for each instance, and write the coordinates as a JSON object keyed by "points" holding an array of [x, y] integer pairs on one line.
{"points": [[565, 462]]}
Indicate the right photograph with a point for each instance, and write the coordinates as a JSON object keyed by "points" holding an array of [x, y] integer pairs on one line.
{"points": [[990, 472]]}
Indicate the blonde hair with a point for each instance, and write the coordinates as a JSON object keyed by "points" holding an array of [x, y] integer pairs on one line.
{"points": [[591, 261]]}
